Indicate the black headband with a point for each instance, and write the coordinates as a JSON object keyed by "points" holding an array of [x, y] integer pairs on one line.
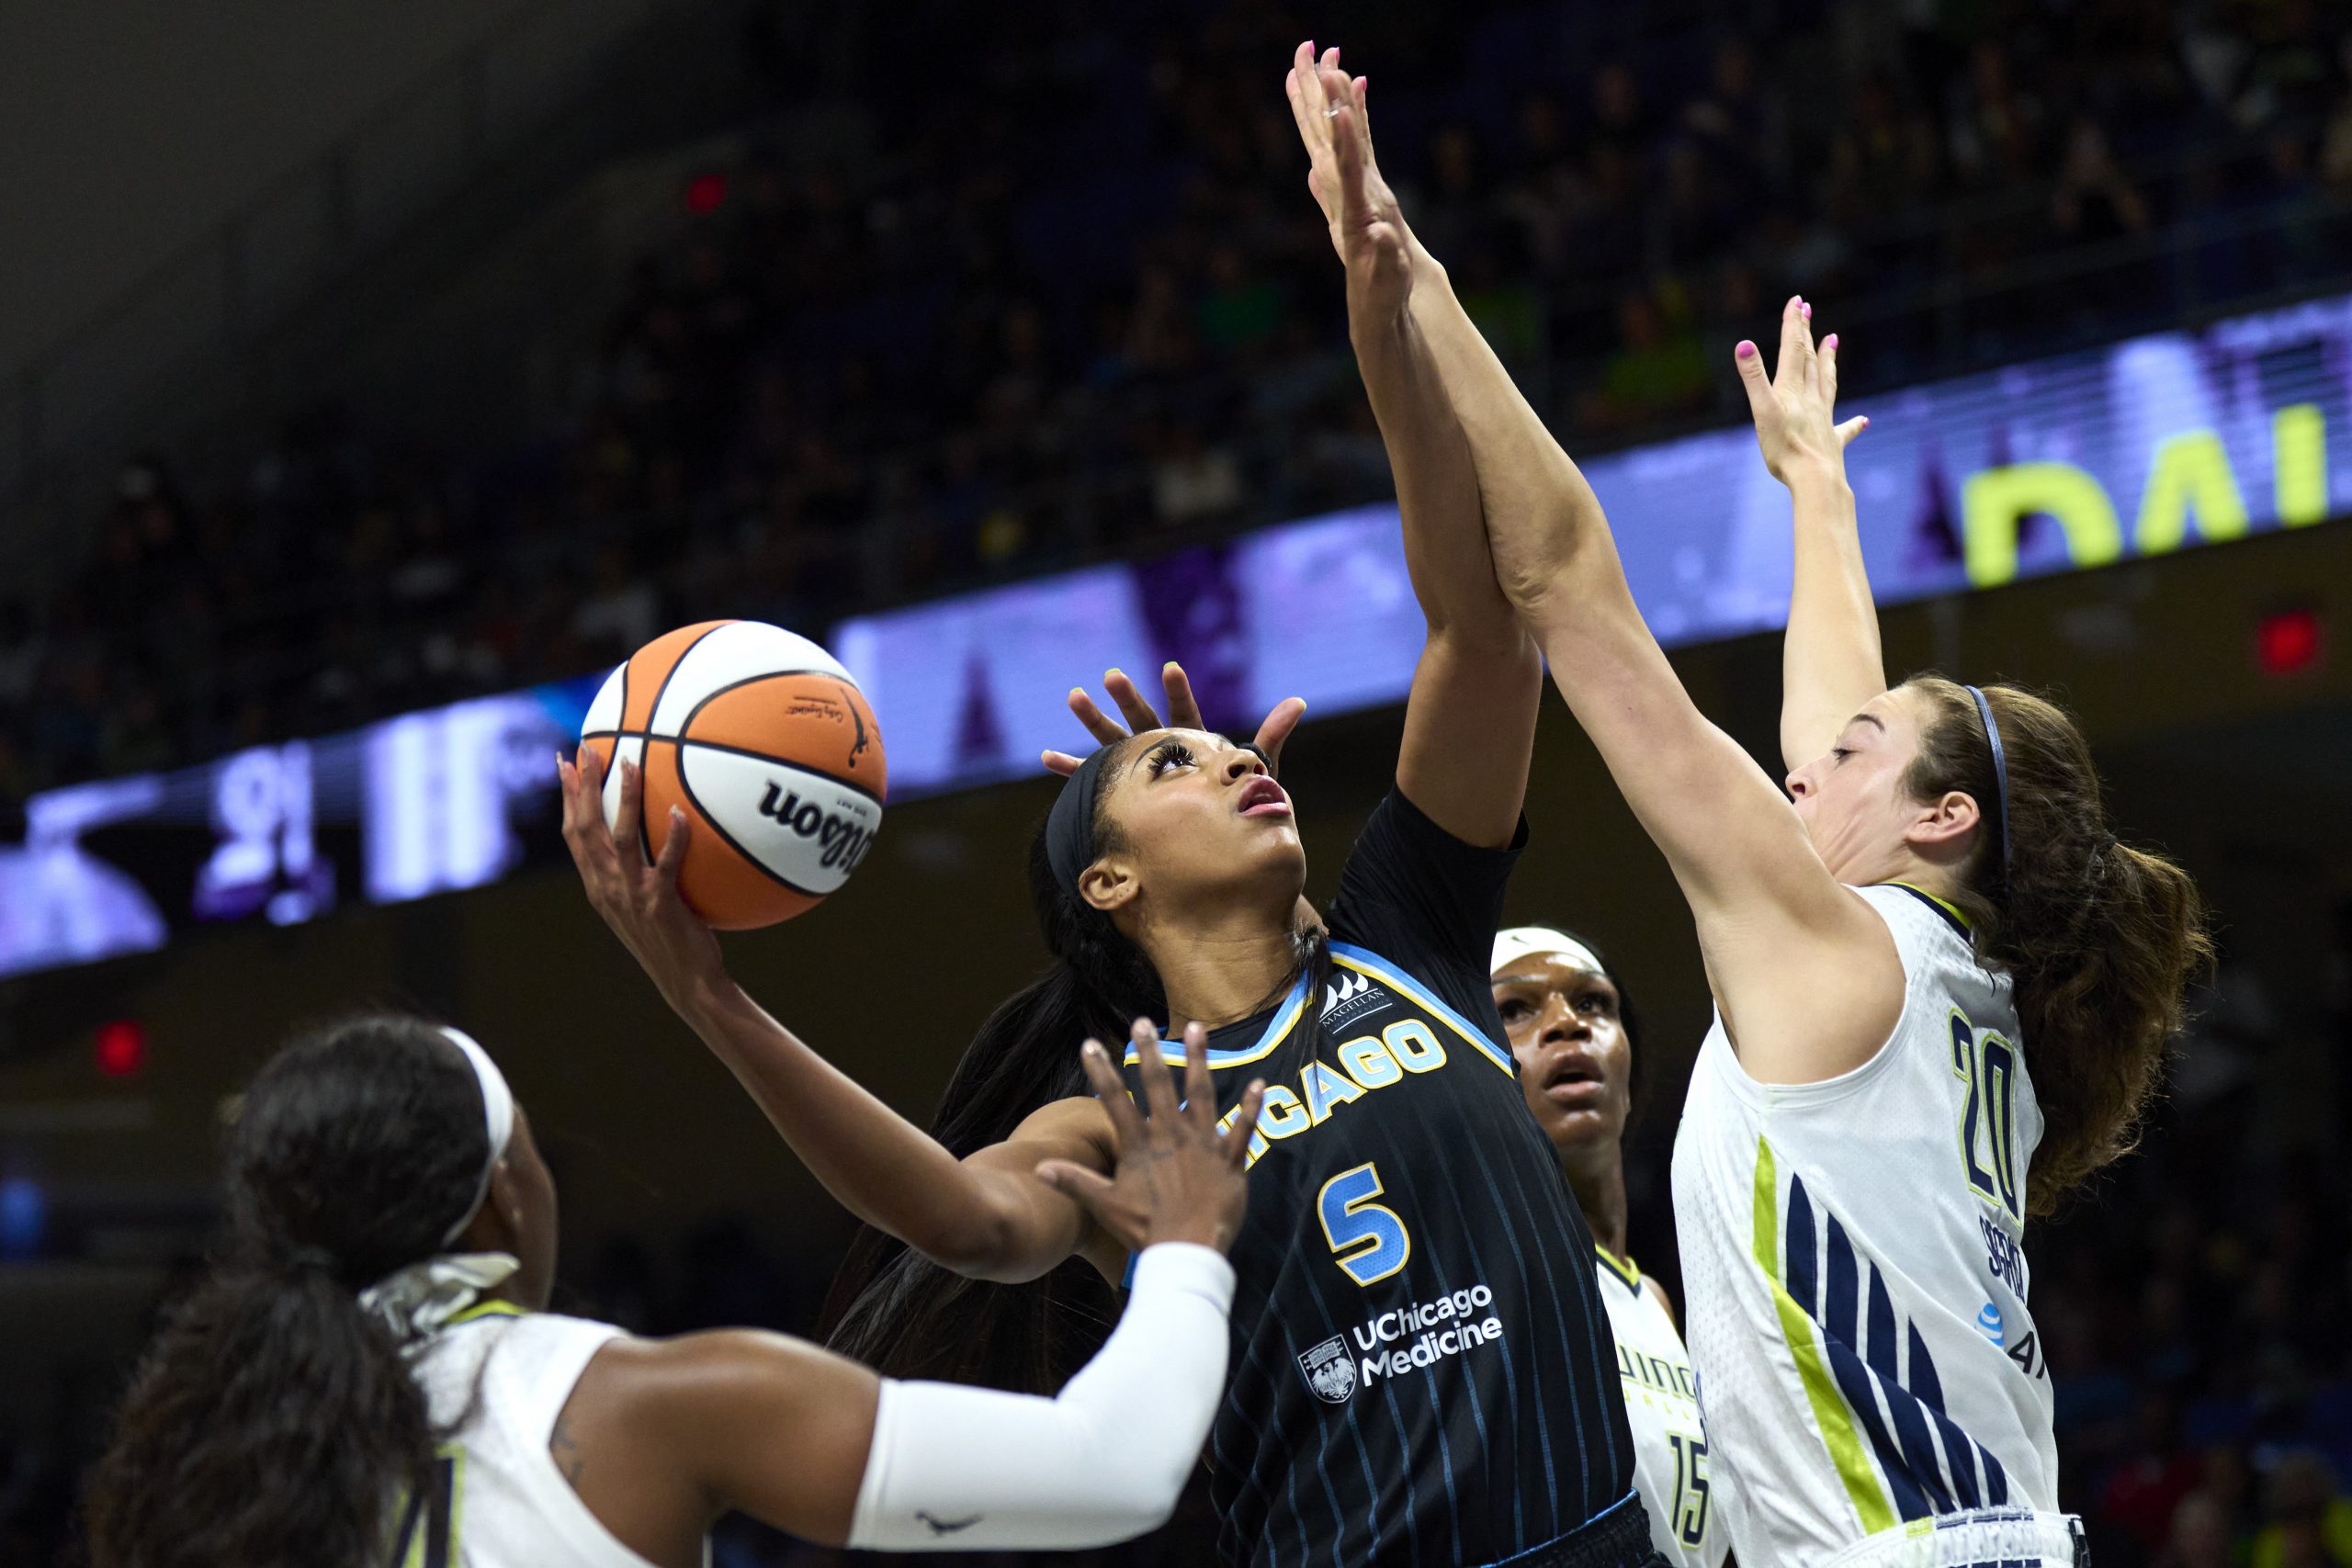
{"points": [[1069, 828], [2000, 766]]}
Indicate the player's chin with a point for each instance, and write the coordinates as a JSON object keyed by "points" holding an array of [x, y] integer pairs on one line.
{"points": [[1269, 841], [1579, 1127]]}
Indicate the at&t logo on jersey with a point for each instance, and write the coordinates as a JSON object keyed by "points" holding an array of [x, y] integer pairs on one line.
{"points": [[1330, 1371]]}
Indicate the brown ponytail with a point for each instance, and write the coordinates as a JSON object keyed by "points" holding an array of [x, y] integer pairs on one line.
{"points": [[2100, 938]]}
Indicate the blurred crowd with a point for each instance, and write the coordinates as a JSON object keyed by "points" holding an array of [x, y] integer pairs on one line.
{"points": [[1059, 291], [2193, 1314]]}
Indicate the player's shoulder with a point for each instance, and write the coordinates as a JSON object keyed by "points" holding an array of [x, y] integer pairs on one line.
{"points": [[687, 1376], [1074, 1119]]}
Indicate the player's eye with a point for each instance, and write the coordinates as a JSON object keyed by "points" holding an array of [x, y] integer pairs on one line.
{"points": [[1171, 754], [1839, 753], [1514, 1008]]}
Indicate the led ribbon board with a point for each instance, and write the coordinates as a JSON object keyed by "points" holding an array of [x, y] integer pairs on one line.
{"points": [[2139, 449]]}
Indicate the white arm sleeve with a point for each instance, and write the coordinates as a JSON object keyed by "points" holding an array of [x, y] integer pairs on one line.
{"points": [[956, 1468]]}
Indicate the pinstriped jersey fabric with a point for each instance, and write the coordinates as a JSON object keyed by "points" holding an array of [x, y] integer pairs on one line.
{"points": [[1851, 1253], [1422, 1367]]}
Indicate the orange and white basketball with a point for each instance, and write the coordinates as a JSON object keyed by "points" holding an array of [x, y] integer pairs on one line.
{"points": [[766, 743]]}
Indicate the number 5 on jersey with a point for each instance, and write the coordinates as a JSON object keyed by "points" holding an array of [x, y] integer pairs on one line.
{"points": [[1370, 1241]]}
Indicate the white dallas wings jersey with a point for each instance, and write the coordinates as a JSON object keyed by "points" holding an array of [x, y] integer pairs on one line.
{"points": [[499, 1501], [1856, 1308], [1670, 1468]]}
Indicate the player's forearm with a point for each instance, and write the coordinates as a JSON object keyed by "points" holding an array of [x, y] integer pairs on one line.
{"points": [[955, 1468], [1525, 480], [1830, 663], [881, 1167], [1446, 553]]}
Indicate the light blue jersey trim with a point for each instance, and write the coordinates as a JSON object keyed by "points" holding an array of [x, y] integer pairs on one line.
{"points": [[1284, 1020], [1365, 961]]}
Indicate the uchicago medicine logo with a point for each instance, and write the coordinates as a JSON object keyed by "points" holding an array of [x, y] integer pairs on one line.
{"points": [[1418, 1334]]}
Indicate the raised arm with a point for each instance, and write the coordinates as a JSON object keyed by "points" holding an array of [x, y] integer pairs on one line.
{"points": [[1470, 719], [660, 1437], [989, 1215], [1519, 468], [1830, 663], [1798, 963]]}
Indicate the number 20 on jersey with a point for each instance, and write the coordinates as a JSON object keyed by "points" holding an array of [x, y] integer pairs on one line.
{"points": [[1988, 1066]]}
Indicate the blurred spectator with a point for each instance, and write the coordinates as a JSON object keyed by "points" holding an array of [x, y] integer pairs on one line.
{"points": [[2200, 1535], [2310, 1521], [1060, 309]]}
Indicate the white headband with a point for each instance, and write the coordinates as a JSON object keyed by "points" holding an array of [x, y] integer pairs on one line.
{"points": [[498, 1116], [1522, 941]]}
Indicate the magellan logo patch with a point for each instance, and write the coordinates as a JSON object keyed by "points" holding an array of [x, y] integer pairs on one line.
{"points": [[1330, 1371], [1348, 995]]}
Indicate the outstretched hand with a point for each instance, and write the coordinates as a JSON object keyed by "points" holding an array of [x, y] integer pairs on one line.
{"points": [[1183, 713], [1367, 226], [639, 899], [1180, 1174], [1795, 410]]}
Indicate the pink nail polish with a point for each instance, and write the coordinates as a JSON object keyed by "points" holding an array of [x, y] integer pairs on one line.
{"points": [[1808, 313], [1746, 350]]}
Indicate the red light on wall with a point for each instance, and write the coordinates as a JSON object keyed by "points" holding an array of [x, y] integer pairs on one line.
{"points": [[2286, 642], [122, 1047], [705, 193]]}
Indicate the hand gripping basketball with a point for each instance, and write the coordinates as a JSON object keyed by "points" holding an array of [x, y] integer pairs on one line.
{"points": [[638, 899]]}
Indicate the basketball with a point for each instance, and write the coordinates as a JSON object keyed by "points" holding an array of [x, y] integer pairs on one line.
{"points": [[766, 744]]}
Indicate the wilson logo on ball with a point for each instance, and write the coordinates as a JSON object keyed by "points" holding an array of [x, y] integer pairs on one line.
{"points": [[843, 840]]}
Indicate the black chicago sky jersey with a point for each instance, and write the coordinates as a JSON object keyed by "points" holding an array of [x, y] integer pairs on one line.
{"points": [[1422, 1370]]}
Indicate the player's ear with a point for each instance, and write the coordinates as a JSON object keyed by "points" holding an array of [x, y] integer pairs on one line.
{"points": [[1109, 884], [1944, 822]]}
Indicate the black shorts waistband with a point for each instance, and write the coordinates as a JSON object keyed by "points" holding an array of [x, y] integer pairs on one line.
{"points": [[1617, 1537]]}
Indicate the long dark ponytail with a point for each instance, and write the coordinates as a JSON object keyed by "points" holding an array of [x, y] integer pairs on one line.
{"points": [[2099, 937], [898, 1311], [272, 1423]]}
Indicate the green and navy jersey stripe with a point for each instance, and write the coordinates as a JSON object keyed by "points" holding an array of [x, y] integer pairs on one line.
{"points": [[1918, 1464]]}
